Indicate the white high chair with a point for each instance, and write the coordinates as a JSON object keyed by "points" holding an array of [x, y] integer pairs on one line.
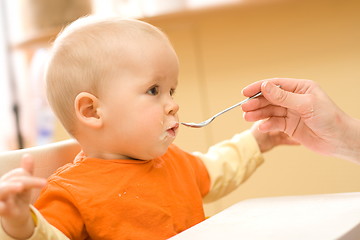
{"points": [[47, 159]]}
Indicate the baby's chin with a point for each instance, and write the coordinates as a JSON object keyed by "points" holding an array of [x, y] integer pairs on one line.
{"points": [[168, 137], [164, 148], [153, 154]]}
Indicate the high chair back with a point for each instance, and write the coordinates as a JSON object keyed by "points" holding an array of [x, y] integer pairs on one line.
{"points": [[47, 159]]}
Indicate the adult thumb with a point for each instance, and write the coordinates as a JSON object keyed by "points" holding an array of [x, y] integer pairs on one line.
{"points": [[278, 96]]}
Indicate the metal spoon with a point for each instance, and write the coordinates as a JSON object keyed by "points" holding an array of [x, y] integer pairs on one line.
{"points": [[206, 122]]}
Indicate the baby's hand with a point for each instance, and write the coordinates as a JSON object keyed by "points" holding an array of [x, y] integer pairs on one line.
{"points": [[269, 140], [15, 196]]}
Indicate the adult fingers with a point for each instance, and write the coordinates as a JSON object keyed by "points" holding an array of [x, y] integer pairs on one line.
{"points": [[277, 96], [266, 112], [288, 84], [252, 88], [254, 104]]}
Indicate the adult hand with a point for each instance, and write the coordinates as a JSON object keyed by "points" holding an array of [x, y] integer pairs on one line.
{"points": [[301, 109]]}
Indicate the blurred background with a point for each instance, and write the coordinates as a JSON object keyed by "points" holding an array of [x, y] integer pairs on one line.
{"points": [[223, 45]]}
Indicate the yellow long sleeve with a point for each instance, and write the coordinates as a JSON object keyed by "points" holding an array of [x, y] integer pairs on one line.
{"points": [[230, 163], [43, 230]]}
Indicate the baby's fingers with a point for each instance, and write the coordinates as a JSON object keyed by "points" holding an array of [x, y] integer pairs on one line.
{"points": [[273, 124], [26, 169], [9, 188], [28, 182], [20, 184], [14, 173], [27, 163]]}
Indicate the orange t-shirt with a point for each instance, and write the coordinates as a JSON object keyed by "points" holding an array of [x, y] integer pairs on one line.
{"points": [[126, 199]]}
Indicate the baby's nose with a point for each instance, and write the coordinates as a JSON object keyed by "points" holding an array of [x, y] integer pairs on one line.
{"points": [[173, 107]]}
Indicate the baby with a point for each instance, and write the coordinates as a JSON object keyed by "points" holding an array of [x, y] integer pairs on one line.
{"points": [[111, 83]]}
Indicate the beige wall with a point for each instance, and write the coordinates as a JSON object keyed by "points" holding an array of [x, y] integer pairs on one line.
{"points": [[223, 50]]}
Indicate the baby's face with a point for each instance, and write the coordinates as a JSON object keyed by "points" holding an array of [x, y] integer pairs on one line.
{"points": [[140, 114]]}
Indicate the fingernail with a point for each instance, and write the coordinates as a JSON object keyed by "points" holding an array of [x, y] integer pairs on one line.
{"points": [[267, 86]]}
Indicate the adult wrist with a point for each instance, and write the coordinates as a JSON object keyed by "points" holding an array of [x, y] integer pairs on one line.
{"points": [[349, 142]]}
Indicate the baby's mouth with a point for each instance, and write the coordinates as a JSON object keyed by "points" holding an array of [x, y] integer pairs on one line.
{"points": [[172, 131]]}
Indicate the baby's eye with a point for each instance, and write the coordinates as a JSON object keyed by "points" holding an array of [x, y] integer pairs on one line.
{"points": [[153, 90], [172, 92]]}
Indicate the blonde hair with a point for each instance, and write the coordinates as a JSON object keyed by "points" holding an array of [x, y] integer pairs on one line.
{"points": [[82, 57]]}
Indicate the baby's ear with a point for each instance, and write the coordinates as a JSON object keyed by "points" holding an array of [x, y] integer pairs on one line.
{"points": [[87, 109]]}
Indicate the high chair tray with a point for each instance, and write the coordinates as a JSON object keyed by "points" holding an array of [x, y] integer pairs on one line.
{"points": [[318, 217]]}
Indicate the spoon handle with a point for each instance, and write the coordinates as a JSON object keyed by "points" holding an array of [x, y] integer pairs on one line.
{"points": [[237, 104]]}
